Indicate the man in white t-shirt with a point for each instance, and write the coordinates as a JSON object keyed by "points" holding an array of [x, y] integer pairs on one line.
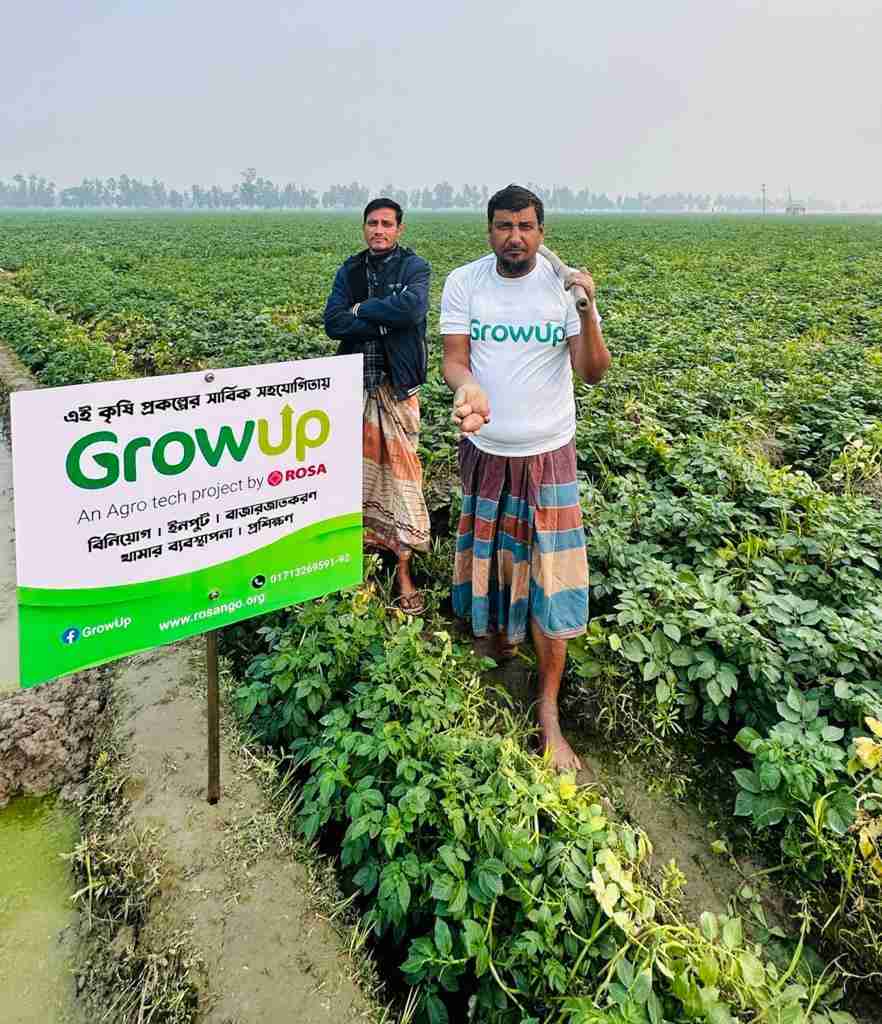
{"points": [[512, 338]]}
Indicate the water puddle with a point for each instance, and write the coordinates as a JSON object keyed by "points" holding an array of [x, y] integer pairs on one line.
{"points": [[36, 986]]}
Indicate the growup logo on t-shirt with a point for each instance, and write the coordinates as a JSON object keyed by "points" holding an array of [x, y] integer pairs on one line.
{"points": [[549, 333]]}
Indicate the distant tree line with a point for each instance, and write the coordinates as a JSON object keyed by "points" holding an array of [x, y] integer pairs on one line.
{"points": [[255, 192]]}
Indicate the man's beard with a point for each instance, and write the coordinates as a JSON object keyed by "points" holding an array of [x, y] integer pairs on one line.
{"points": [[514, 265]]}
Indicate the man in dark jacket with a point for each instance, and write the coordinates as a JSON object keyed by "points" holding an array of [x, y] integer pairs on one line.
{"points": [[378, 306]]}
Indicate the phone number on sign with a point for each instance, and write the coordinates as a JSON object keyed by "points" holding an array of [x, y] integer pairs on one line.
{"points": [[305, 570]]}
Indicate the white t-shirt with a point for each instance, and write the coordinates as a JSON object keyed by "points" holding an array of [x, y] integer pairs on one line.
{"points": [[519, 329]]}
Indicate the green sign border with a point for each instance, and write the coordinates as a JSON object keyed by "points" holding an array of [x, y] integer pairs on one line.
{"points": [[112, 622]]}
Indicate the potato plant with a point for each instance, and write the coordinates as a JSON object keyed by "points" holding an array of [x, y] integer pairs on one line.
{"points": [[730, 471], [507, 888]]}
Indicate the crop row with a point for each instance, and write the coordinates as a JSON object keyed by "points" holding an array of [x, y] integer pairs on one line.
{"points": [[494, 883], [731, 468]]}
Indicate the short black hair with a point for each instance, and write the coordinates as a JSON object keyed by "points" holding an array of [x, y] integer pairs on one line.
{"points": [[383, 204], [515, 197]]}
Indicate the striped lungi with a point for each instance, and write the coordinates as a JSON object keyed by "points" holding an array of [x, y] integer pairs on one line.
{"points": [[520, 549], [395, 513]]}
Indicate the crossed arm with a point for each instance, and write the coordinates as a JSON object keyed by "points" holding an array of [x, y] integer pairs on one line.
{"points": [[340, 323], [404, 309]]}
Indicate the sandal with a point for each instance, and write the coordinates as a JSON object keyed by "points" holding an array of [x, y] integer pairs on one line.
{"points": [[411, 604]]}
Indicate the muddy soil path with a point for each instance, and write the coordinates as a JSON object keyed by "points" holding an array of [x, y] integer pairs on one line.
{"points": [[241, 897]]}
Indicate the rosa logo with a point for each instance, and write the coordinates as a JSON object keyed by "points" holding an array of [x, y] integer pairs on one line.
{"points": [[276, 477]]}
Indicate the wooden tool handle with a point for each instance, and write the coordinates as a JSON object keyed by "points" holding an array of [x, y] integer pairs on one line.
{"points": [[564, 273]]}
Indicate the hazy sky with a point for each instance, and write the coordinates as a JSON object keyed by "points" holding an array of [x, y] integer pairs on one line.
{"points": [[657, 95]]}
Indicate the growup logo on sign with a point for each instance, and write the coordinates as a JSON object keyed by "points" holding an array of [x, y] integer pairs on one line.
{"points": [[150, 510]]}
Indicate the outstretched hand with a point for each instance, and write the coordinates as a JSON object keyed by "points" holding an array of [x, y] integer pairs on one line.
{"points": [[471, 408]]}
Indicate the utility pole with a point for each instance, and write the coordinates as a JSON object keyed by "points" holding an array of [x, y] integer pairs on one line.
{"points": [[764, 200]]}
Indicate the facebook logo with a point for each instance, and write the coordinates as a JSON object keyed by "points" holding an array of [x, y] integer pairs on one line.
{"points": [[70, 635]]}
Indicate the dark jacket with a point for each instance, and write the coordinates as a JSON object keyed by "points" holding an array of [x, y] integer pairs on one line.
{"points": [[400, 309]]}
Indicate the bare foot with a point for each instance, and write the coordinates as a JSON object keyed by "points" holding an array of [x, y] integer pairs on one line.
{"points": [[503, 649], [563, 757]]}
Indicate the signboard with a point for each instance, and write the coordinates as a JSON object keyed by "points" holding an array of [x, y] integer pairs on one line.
{"points": [[151, 510]]}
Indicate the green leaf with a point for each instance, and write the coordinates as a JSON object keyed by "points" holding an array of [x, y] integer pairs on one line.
{"points": [[473, 936], [833, 820], [442, 888], [709, 969], [436, 1011], [574, 876], [451, 861], [747, 780], [769, 776], [844, 803], [642, 988], [744, 804], [633, 650], [310, 824], [327, 787], [247, 705], [614, 641], [710, 927], [727, 679], [366, 877], [655, 1008], [732, 935], [443, 938], [625, 972], [832, 733], [787, 713], [577, 907], [581, 862], [482, 961], [459, 898], [618, 993], [673, 631], [681, 656], [747, 738], [490, 880], [662, 692], [717, 1013], [751, 969], [768, 811], [403, 892]]}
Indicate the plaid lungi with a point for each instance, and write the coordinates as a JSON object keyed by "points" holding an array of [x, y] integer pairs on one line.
{"points": [[520, 548], [395, 513]]}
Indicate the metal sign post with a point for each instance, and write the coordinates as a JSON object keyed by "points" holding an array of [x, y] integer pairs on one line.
{"points": [[213, 718]]}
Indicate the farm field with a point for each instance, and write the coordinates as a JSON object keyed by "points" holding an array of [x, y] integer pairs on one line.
{"points": [[731, 474]]}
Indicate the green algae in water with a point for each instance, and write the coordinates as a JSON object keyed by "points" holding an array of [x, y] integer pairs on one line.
{"points": [[35, 889]]}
